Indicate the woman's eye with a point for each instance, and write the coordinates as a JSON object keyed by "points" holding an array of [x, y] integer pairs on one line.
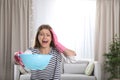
{"points": [[41, 34], [48, 35]]}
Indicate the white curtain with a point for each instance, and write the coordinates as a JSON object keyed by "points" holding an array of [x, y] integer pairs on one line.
{"points": [[72, 20], [14, 33], [107, 25]]}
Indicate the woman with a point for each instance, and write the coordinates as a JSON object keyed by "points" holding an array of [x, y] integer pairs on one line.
{"points": [[46, 43]]}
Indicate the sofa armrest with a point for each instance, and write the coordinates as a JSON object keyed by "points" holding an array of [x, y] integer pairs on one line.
{"points": [[16, 72], [97, 70]]}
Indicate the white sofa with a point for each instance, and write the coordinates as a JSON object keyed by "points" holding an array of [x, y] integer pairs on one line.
{"points": [[69, 71]]}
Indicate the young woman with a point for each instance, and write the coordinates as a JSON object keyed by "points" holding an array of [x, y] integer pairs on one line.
{"points": [[46, 43]]}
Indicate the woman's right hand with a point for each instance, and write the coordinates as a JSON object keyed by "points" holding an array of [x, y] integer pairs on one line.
{"points": [[17, 58]]}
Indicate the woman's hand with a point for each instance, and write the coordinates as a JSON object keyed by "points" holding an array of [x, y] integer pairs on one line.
{"points": [[18, 59], [60, 47]]}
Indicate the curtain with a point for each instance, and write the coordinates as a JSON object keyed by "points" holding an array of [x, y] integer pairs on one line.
{"points": [[14, 33], [107, 25]]}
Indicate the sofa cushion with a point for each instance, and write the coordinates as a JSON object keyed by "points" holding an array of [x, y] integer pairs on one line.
{"points": [[89, 69], [77, 77], [76, 68]]}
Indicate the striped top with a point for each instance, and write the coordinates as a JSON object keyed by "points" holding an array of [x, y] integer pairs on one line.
{"points": [[52, 71]]}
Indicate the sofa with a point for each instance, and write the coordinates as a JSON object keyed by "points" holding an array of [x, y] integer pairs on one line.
{"points": [[69, 71]]}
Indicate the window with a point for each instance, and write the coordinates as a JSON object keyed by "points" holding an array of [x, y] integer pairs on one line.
{"points": [[72, 20]]}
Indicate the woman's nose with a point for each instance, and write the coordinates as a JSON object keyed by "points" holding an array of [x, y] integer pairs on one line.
{"points": [[44, 36]]}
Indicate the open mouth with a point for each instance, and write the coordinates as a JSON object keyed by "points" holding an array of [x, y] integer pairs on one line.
{"points": [[44, 41]]}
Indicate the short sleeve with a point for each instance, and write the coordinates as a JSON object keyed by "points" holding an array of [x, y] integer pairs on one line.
{"points": [[28, 51], [31, 51]]}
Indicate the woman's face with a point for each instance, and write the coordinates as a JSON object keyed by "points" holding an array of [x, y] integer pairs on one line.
{"points": [[45, 38]]}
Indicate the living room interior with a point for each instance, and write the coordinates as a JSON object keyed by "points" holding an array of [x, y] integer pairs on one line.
{"points": [[86, 26]]}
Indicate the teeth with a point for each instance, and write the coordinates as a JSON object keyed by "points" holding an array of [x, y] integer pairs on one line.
{"points": [[45, 41]]}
